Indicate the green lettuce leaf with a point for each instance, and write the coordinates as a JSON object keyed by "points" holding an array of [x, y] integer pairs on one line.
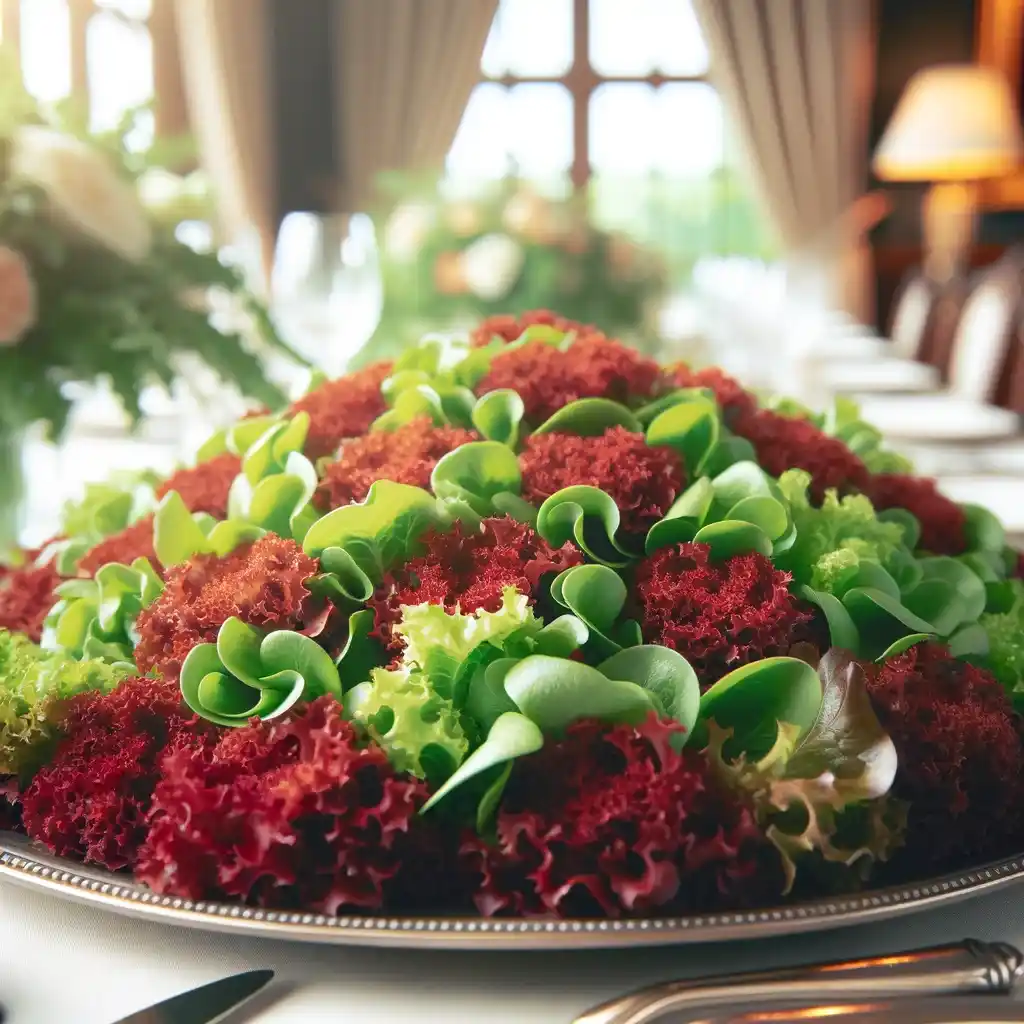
{"points": [[32, 681], [833, 540]]}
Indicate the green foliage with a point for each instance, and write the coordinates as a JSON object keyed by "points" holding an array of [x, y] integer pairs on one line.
{"points": [[31, 682], [95, 618], [251, 674], [101, 316], [563, 263], [832, 541]]}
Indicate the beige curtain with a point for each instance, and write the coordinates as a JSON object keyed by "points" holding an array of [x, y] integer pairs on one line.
{"points": [[405, 69], [796, 77], [226, 70]]}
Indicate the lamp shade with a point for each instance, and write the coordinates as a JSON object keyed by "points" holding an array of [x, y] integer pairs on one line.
{"points": [[953, 123]]}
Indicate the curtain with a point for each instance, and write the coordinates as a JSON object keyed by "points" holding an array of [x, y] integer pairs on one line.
{"points": [[225, 60], [796, 79], [405, 69]]}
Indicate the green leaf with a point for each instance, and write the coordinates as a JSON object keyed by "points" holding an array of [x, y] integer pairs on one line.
{"points": [[588, 516], [488, 805], [361, 653], [497, 416], [969, 641], [554, 692], [983, 530], [487, 700], [381, 531], [475, 473], [176, 535], [684, 518], [754, 699], [842, 631], [341, 579], [512, 735], [665, 674], [901, 645], [284, 650], [907, 522], [729, 538], [966, 584], [881, 619], [596, 596], [691, 428], [238, 647], [590, 417]]}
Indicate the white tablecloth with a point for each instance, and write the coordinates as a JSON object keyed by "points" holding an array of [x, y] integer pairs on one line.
{"points": [[61, 963]]}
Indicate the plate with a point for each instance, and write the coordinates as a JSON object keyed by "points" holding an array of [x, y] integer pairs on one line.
{"points": [[24, 862]]}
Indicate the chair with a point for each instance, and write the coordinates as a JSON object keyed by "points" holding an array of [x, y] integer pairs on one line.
{"points": [[979, 353]]}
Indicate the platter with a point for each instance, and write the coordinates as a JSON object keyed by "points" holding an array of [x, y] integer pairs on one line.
{"points": [[25, 863]]}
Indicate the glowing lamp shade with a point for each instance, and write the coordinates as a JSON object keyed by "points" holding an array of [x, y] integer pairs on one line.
{"points": [[953, 123]]}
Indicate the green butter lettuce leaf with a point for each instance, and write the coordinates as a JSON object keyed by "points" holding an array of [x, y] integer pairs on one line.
{"points": [[835, 539]]}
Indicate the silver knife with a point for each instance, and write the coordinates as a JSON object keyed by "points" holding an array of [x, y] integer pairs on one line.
{"points": [[964, 968], [205, 1004], [954, 1010]]}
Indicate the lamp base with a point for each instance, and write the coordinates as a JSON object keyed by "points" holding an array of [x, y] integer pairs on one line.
{"points": [[948, 216]]}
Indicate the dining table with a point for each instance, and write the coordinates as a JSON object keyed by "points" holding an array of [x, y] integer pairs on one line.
{"points": [[67, 963]]}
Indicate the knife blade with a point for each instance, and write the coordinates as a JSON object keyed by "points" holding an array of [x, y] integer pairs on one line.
{"points": [[205, 1004]]}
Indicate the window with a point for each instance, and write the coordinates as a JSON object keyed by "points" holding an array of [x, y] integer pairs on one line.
{"points": [[98, 53], [611, 98]]}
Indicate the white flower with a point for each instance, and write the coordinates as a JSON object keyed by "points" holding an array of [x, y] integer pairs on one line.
{"points": [[17, 296], [84, 190], [490, 266], [407, 229]]}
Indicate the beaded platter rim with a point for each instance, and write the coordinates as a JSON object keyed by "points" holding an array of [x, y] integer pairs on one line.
{"points": [[26, 863]]}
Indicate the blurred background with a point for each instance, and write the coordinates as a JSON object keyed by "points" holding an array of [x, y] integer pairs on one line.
{"points": [[824, 196]]}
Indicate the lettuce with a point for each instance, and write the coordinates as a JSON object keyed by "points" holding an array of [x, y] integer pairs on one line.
{"points": [[824, 791], [416, 707], [31, 681], [835, 539], [1004, 625]]}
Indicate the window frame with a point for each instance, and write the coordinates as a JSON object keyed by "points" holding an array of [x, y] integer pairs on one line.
{"points": [[581, 81]]}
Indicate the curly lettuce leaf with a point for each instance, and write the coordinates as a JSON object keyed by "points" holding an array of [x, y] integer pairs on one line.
{"points": [[1004, 625], [31, 682], [833, 541], [823, 790], [403, 714]]}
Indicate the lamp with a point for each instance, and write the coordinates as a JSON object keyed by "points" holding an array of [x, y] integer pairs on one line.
{"points": [[954, 126]]}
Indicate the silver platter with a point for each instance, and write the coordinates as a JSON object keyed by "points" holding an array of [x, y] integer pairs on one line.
{"points": [[26, 863]]}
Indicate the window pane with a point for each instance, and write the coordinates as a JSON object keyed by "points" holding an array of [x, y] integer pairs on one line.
{"points": [[120, 60], [641, 37], [525, 130], [637, 128], [480, 148], [529, 38], [623, 128], [540, 126], [46, 49], [691, 136]]}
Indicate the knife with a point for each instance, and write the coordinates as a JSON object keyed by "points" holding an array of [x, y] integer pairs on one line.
{"points": [[963, 968], [205, 1004], [954, 1010]]}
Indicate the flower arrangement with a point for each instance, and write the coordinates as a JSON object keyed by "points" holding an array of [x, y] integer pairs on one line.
{"points": [[447, 262], [94, 284], [526, 623]]}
